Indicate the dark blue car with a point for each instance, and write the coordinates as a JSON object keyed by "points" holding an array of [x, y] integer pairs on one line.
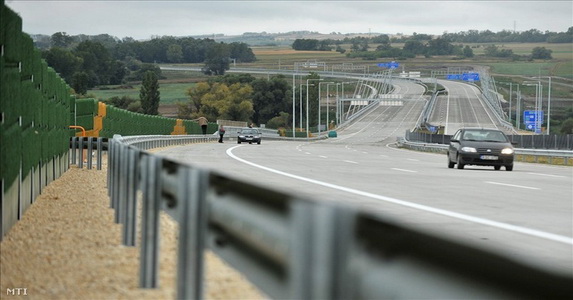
{"points": [[480, 147]]}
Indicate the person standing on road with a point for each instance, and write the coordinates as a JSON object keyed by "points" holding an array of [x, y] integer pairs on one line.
{"points": [[203, 123], [221, 133]]}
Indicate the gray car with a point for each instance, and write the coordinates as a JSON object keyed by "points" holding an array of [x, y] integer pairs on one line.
{"points": [[480, 147], [249, 135]]}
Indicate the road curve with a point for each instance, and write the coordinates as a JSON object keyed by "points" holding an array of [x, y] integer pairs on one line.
{"points": [[526, 214]]}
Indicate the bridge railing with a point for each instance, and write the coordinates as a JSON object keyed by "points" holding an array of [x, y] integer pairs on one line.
{"points": [[299, 248], [524, 141], [439, 143]]}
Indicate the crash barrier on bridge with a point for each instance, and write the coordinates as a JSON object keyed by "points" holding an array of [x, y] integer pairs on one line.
{"points": [[548, 156], [427, 111], [35, 112], [298, 248], [525, 141], [84, 150]]}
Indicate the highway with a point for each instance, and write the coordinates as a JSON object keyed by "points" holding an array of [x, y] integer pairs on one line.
{"points": [[461, 107], [526, 215]]}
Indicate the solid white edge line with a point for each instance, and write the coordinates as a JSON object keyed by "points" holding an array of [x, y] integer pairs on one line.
{"points": [[509, 227]]}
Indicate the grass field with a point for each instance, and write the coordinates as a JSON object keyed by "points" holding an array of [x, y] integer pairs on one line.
{"points": [[170, 93]]}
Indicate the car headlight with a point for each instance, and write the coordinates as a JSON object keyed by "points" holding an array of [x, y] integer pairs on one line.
{"points": [[242, 136], [507, 151], [469, 149]]}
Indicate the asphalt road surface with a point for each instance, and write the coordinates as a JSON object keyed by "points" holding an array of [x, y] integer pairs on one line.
{"points": [[526, 214], [461, 107]]}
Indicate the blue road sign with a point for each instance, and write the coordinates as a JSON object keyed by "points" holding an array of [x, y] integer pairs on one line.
{"points": [[533, 120], [454, 77], [464, 76], [470, 76], [389, 65]]}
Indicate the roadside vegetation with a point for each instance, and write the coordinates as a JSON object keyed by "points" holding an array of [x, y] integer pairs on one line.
{"points": [[112, 70]]}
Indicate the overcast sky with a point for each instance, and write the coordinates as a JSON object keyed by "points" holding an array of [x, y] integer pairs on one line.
{"points": [[143, 19]]}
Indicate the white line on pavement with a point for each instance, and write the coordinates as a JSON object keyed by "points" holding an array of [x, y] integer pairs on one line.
{"points": [[443, 212], [513, 185]]}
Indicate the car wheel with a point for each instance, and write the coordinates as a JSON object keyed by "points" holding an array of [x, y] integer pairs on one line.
{"points": [[497, 168], [259, 142], [509, 168], [238, 142], [450, 163], [460, 164]]}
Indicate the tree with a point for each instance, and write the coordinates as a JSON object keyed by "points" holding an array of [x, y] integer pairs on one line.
{"points": [[61, 40], [96, 62], [240, 105], [174, 53], [191, 110], [125, 102], [241, 52], [149, 94], [215, 100], [217, 61], [567, 126], [414, 47], [440, 46], [541, 53], [468, 52], [270, 98], [63, 61], [80, 82]]}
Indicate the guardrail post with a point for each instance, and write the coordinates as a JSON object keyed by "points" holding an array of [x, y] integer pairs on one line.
{"points": [[81, 154], [73, 147], [151, 188], [192, 232], [110, 164], [121, 201], [116, 174], [99, 152], [133, 173], [321, 239], [89, 152]]}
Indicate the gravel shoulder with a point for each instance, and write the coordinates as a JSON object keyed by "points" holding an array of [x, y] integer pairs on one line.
{"points": [[67, 246]]}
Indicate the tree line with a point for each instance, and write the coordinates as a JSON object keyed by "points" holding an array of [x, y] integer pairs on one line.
{"points": [[87, 61], [240, 98], [416, 45], [471, 36]]}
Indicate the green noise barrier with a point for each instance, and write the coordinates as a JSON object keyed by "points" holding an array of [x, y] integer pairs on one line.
{"points": [[37, 108], [35, 115]]}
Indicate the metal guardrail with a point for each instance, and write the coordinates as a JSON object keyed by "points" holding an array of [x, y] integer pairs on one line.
{"points": [[297, 248], [562, 157]]}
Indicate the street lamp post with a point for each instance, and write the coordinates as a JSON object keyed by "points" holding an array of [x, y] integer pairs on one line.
{"points": [[327, 101], [327, 83], [548, 103], [518, 109], [337, 105], [300, 104], [293, 101], [538, 104], [307, 108], [511, 84], [340, 103]]}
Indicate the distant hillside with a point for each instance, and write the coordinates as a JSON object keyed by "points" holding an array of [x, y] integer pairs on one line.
{"points": [[286, 38]]}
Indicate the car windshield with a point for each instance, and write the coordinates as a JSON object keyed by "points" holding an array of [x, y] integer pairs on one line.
{"points": [[249, 131], [484, 135]]}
